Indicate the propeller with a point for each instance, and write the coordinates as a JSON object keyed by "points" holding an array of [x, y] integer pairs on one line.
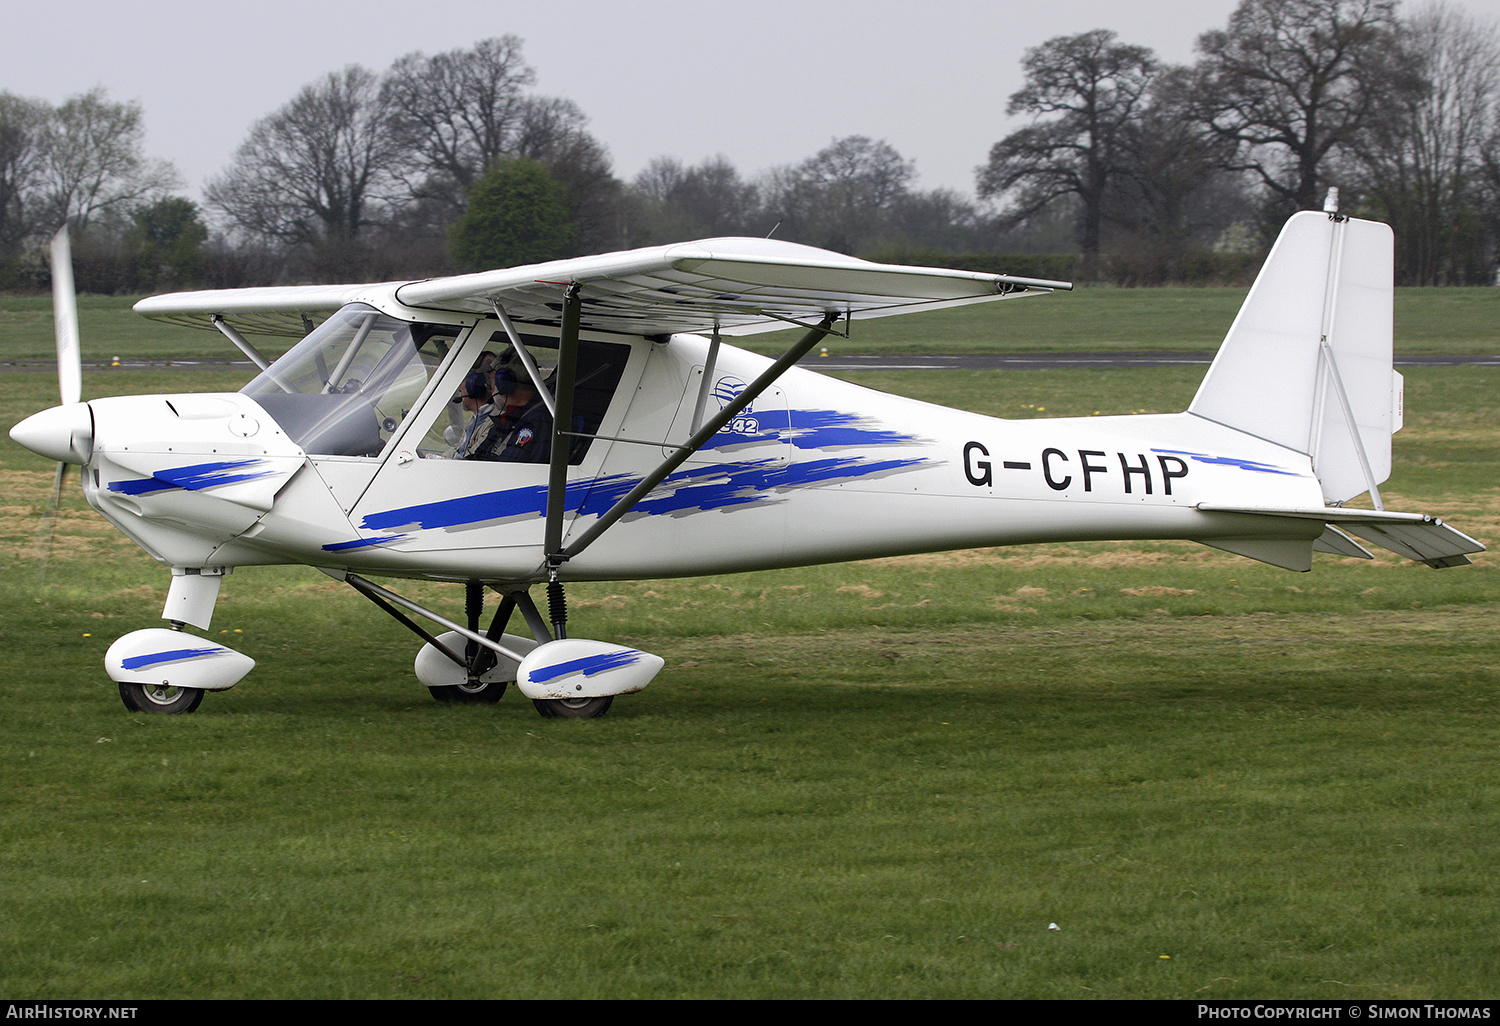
{"points": [[65, 316], [69, 374]]}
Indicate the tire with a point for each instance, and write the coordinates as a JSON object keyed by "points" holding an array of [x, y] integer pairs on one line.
{"points": [[573, 708], [159, 698], [476, 692]]}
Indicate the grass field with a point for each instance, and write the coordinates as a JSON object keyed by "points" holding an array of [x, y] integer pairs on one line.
{"points": [[886, 779], [1461, 320]]}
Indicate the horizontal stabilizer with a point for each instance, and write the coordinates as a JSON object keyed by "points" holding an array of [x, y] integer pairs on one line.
{"points": [[1416, 536], [1340, 544], [1435, 543], [1287, 553]]}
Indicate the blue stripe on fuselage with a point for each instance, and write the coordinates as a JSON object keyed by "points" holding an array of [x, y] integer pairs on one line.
{"points": [[700, 488], [1228, 461], [194, 478]]}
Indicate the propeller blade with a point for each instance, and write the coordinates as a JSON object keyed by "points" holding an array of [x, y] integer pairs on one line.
{"points": [[42, 542], [65, 315]]}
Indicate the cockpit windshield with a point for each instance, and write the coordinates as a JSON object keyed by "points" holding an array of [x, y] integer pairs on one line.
{"points": [[345, 388]]}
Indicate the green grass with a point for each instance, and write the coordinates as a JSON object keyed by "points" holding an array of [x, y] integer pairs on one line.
{"points": [[882, 779], [1464, 320], [107, 328], [1459, 320]]}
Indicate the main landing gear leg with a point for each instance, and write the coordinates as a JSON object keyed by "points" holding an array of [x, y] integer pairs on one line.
{"points": [[566, 708], [479, 685], [565, 678]]}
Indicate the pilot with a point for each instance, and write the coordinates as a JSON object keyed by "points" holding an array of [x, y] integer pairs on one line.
{"points": [[520, 428], [527, 426]]}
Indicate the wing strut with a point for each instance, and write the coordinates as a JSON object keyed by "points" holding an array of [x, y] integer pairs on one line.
{"points": [[556, 556], [562, 420], [240, 342], [708, 377], [388, 600], [524, 355]]}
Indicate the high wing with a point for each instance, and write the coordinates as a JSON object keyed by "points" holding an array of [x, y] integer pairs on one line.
{"points": [[734, 286], [272, 310]]}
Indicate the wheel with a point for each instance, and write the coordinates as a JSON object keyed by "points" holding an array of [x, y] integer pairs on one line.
{"points": [[573, 708], [481, 687], [473, 692], [159, 698]]}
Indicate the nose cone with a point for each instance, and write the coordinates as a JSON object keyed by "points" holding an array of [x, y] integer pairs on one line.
{"points": [[63, 433]]}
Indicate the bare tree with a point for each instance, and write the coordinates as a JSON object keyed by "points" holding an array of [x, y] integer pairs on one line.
{"points": [[554, 132], [1082, 91], [937, 223], [678, 203], [1293, 82], [457, 114], [92, 161], [22, 127], [1423, 156], [318, 173], [1174, 196], [841, 197], [460, 114]]}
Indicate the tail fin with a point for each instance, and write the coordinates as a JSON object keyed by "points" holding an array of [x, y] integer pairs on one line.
{"points": [[1307, 362]]}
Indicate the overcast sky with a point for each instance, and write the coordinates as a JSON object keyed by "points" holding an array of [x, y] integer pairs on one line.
{"points": [[764, 82]]}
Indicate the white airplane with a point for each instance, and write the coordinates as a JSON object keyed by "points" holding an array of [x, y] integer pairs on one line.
{"points": [[666, 453]]}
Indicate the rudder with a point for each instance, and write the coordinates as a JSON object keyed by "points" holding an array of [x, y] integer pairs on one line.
{"points": [[1307, 363]]}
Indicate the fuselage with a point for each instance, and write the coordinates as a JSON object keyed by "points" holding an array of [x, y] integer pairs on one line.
{"points": [[814, 470]]}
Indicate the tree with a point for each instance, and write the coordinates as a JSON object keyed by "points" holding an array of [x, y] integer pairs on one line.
{"points": [[22, 125], [517, 214], [1292, 83], [938, 222], [840, 198], [1082, 91], [169, 237], [90, 162], [457, 114], [82, 164], [1423, 158], [1173, 198], [318, 173], [676, 203], [554, 133]]}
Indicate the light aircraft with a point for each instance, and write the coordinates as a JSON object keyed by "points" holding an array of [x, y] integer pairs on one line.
{"points": [[673, 454]]}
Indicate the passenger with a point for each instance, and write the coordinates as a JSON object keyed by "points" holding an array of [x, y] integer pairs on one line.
{"points": [[477, 402]]}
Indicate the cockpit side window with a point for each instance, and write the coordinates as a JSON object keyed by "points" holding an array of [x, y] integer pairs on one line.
{"points": [[345, 388]]}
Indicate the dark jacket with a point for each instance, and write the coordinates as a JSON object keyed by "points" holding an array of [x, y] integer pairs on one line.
{"points": [[518, 436]]}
